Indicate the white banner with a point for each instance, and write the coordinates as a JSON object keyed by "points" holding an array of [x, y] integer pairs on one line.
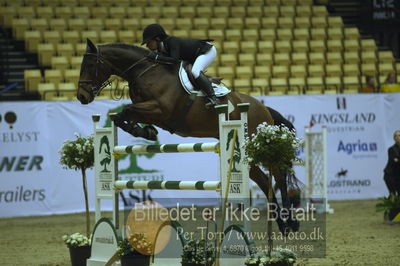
{"points": [[356, 139], [32, 182]]}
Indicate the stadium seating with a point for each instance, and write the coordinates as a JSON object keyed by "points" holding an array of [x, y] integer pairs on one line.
{"points": [[264, 46]]}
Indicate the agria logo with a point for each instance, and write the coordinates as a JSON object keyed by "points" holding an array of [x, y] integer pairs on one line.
{"points": [[357, 147], [10, 118]]}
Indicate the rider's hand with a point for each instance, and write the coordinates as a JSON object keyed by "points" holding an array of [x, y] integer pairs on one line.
{"points": [[152, 56]]}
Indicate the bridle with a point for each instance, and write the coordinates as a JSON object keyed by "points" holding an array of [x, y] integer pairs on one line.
{"points": [[95, 87]]}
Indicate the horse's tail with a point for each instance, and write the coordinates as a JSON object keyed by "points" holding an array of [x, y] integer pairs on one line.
{"points": [[294, 188], [293, 181], [279, 119]]}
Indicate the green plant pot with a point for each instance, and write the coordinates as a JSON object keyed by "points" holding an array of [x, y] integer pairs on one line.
{"points": [[135, 260], [79, 255]]}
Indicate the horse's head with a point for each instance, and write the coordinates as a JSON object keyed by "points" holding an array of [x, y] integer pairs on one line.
{"points": [[94, 72]]}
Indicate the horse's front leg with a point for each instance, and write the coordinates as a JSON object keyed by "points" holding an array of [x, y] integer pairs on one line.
{"points": [[132, 114]]}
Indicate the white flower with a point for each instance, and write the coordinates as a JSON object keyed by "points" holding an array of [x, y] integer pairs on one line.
{"points": [[76, 240]]}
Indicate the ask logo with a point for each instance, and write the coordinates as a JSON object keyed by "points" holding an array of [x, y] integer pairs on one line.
{"points": [[235, 187], [237, 156], [105, 154]]}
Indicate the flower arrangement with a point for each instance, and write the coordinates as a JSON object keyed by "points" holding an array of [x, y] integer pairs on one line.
{"points": [[279, 256], [272, 145], [76, 240], [198, 252], [129, 255], [124, 248], [78, 154], [140, 243]]}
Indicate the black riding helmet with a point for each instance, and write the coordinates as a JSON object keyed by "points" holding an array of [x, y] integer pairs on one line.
{"points": [[151, 31]]}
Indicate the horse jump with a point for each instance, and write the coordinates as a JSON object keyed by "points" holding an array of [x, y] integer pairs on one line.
{"points": [[316, 169], [107, 184], [158, 98]]}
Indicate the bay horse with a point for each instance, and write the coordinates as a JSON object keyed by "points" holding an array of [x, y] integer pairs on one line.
{"points": [[158, 98]]}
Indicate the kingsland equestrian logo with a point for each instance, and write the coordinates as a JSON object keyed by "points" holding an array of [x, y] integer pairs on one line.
{"points": [[341, 103], [343, 118]]}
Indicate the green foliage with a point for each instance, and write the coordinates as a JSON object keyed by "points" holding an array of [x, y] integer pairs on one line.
{"points": [[77, 154], [388, 203], [199, 252], [279, 255], [272, 146], [124, 247]]}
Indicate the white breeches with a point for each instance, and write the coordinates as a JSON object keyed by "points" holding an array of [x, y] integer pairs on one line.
{"points": [[203, 61]]}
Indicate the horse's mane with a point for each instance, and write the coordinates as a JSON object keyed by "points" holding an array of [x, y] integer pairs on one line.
{"points": [[126, 46]]}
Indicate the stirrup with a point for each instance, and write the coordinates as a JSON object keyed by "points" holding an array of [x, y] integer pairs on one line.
{"points": [[212, 102]]}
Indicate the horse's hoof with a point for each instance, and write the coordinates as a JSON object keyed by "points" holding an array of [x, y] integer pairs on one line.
{"points": [[151, 133]]}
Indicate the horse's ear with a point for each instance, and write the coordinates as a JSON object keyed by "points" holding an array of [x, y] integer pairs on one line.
{"points": [[90, 46]]}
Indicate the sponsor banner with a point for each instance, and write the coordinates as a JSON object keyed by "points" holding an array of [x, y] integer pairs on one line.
{"points": [[32, 182], [357, 143], [24, 159]]}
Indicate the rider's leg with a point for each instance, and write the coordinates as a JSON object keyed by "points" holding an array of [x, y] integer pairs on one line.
{"points": [[202, 82]]}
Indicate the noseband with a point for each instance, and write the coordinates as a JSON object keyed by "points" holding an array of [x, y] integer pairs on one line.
{"points": [[95, 87]]}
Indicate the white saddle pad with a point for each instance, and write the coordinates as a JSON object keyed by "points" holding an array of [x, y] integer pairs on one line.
{"points": [[219, 89]]}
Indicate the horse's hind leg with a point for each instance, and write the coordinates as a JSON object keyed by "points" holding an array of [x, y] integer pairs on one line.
{"points": [[262, 181]]}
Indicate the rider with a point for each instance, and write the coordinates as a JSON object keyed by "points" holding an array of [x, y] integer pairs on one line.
{"points": [[200, 53]]}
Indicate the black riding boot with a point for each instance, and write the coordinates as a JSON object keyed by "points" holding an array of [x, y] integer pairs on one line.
{"points": [[204, 84]]}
